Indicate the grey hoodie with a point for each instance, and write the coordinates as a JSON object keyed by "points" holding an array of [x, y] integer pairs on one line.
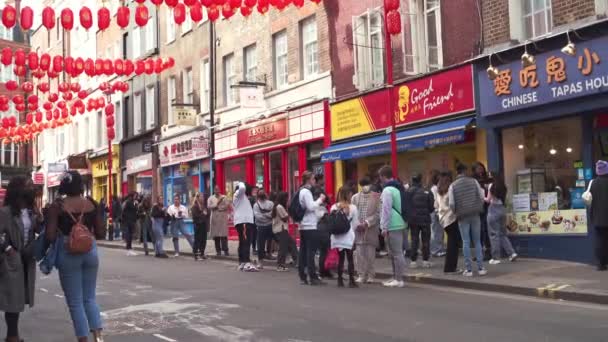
{"points": [[262, 211]]}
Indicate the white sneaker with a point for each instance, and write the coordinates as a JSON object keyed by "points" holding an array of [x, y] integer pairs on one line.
{"points": [[176, 255], [414, 264], [494, 262], [369, 280], [241, 267], [131, 253], [467, 273], [427, 264], [483, 272], [513, 257], [360, 280], [383, 253], [393, 283]]}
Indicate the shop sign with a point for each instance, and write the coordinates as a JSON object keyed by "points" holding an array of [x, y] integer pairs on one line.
{"points": [[53, 179], [446, 93], [185, 148], [138, 164], [57, 167], [252, 97], [263, 134], [555, 77], [78, 163], [38, 178], [146, 146], [184, 116], [548, 222], [99, 166]]}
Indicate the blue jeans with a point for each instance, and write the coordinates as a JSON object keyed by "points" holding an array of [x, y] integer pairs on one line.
{"points": [[116, 229], [437, 235], [471, 227], [78, 277], [159, 235], [177, 227]]}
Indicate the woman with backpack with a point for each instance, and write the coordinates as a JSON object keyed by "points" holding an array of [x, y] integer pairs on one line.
{"points": [[77, 259], [345, 242], [280, 228], [262, 214], [18, 224]]}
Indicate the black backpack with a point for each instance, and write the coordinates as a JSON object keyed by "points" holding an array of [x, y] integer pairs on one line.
{"points": [[295, 210], [337, 222]]}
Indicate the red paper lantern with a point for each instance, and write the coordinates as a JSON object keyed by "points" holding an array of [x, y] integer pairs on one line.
{"points": [[69, 64], [179, 13], [61, 104], [67, 19], [32, 106], [75, 87], [48, 18], [3, 133], [6, 123], [141, 15], [83, 94], [262, 9], [207, 3], [170, 62], [19, 70], [7, 56], [20, 57], [20, 107], [213, 13], [47, 106], [245, 11], [56, 114], [18, 99], [86, 18], [38, 116], [227, 11], [119, 67], [109, 109], [9, 16], [393, 22], [235, 3], [67, 96], [391, 5], [108, 67], [103, 18], [190, 3], [99, 66], [110, 119], [11, 85], [48, 115], [45, 62], [89, 67], [27, 18], [298, 3], [57, 64], [140, 67], [122, 16], [157, 2], [64, 113], [149, 66], [73, 111], [219, 3], [196, 12], [129, 67], [32, 60], [27, 87], [250, 3], [3, 100], [111, 133], [32, 99], [53, 97], [125, 87], [104, 86], [78, 66], [158, 66], [101, 101], [29, 118], [63, 87], [43, 87], [171, 3]]}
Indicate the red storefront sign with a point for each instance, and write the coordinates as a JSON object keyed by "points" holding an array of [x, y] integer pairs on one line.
{"points": [[264, 134], [38, 178], [442, 94]]}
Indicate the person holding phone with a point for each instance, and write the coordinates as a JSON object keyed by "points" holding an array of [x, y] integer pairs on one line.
{"points": [[178, 212]]}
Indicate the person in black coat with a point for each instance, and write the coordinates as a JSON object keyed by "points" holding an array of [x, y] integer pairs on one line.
{"points": [[599, 213], [129, 219], [420, 204]]}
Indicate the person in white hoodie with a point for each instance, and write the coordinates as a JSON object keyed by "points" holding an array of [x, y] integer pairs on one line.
{"points": [[243, 222], [345, 242], [309, 235]]}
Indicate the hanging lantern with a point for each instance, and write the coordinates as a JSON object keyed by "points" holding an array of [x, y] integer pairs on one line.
{"points": [[171, 3], [47, 106], [207, 3], [250, 3], [29, 118], [63, 87], [27, 18], [125, 87], [78, 66], [122, 16], [3, 100], [157, 2], [227, 11], [45, 62], [140, 67], [27, 87], [38, 116], [109, 110], [32, 106], [129, 67], [393, 22], [32, 60], [5, 123], [3, 133], [245, 11], [61, 104], [108, 67], [86, 17], [170, 62], [235, 3], [32, 98], [9, 16], [119, 67], [73, 111], [111, 133], [53, 97], [219, 3], [103, 18], [141, 15], [149, 66], [67, 96], [190, 3], [179, 14], [298, 3], [104, 86], [18, 99], [262, 9], [20, 70], [57, 64], [56, 114], [99, 66], [6, 57], [391, 5], [75, 87], [110, 119], [69, 64], [11, 85], [48, 115], [158, 66], [20, 57], [89, 67], [20, 107], [101, 102], [83, 94], [213, 13], [64, 113], [48, 18], [196, 12], [43, 87], [67, 19]]}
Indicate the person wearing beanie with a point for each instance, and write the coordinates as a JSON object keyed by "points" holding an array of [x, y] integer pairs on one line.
{"points": [[599, 213]]}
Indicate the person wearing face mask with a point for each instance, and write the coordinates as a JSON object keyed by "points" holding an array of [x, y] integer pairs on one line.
{"points": [[19, 221], [368, 229]]}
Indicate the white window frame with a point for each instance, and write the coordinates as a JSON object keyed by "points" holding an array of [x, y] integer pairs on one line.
{"points": [[365, 76], [310, 47], [280, 59], [171, 94], [187, 86], [171, 27], [118, 121], [98, 132], [76, 137], [86, 142], [250, 63], [149, 34], [150, 107], [204, 86], [6, 34], [187, 24], [230, 77], [136, 43], [137, 115], [546, 11]]}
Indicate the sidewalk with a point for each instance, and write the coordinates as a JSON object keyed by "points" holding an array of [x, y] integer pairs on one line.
{"points": [[528, 277]]}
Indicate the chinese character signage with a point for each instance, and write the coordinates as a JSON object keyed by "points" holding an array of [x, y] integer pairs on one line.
{"points": [[554, 77], [38, 178], [264, 134], [185, 148], [442, 94], [184, 116]]}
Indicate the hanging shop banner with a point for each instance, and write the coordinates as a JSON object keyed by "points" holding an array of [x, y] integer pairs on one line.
{"points": [[252, 97], [38, 178], [139, 164], [184, 116], [57, 167], [548, 222], [185, 148], [263, 134], [554, 77], [442, 94]]}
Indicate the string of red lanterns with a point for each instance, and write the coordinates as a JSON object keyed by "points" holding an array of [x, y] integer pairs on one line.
{"points": [[227, 8]]}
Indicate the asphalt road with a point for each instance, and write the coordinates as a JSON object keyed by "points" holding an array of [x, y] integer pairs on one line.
{"points": [[150, 300]]}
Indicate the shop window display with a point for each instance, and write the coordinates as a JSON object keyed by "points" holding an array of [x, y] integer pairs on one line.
{"points": [[545, 177], [259, 171], [235, 172], [276, 171], [294, 170]]}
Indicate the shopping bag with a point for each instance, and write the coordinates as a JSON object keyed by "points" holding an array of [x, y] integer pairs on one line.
{"points": [[331, 262]]}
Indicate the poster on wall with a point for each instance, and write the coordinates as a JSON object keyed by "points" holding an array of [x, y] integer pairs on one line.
{"points": [[549, 222]]}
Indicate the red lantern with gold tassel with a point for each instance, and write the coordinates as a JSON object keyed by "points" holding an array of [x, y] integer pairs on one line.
{"points": [[48, 18], [86, 17], [103, 18], [122, 16], [67, 19], [179, 14], [141, 15], [27, 18], [9, 16]]}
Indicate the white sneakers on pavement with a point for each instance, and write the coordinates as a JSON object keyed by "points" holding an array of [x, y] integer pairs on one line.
{"points": [[394, 283], [513, 257], [427, 264], [413, 264], [483, 272], [494, 262], [467, 273], [131, 253]]}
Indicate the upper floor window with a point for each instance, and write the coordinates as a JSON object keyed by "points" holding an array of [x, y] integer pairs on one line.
{"points": [[188, 86], [537, 18], [136, 42], [171, 94], [368, 47], [170, 27], [150, 107], [250, 61], [310, 48], [229, 80], [137, 113], [281, 74], [7, 73], [149, 34], [204, 86], [5, 33], [422, 36], [187, 25]]}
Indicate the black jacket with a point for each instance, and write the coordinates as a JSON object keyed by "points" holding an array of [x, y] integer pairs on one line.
{"points": [[129, 212], [599, 204], [420, 204]]}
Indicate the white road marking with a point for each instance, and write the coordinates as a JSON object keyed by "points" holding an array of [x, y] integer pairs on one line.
{"points": [[58, 296], [44, 290], [164, 338]]}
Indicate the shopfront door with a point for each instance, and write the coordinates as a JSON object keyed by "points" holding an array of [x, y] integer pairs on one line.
{"points": [[276, 171]]}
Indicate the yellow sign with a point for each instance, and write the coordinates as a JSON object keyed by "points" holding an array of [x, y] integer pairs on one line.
{"points": [[99, 166], [551, 222], [349, 119]]}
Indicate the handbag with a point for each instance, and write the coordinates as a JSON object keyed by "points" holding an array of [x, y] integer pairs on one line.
{"points": [[331, 262], [587, 197]]}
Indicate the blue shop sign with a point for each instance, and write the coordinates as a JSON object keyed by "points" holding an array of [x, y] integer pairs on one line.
{"points": [[555, 77]]}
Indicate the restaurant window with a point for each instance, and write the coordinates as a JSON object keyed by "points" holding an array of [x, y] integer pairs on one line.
{"points": [[276, 171], [545, 176], [235, 173], [259, 171], [293, 170]]}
